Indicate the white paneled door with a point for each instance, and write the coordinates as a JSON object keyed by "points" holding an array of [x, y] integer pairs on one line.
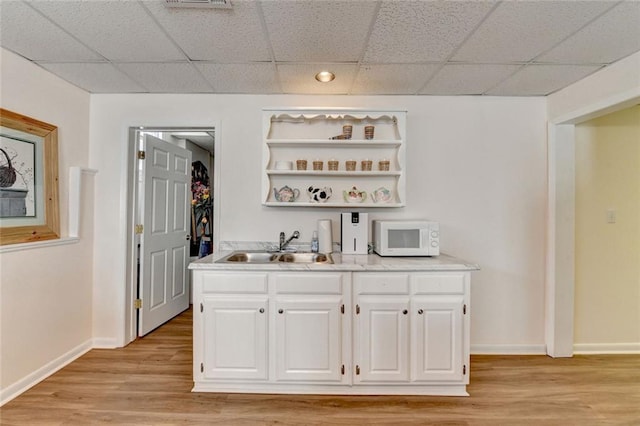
{"points": [[164, 244]]}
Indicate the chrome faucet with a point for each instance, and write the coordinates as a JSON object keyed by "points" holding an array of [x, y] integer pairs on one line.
{"points": [[283, 243]]}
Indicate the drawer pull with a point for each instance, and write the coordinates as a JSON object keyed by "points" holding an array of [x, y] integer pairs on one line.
{"points": [[405, 312], [262, 310], [280, 311], [420, 311]]}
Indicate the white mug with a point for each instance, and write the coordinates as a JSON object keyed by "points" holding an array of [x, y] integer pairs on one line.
{"points": [[284, 165]]}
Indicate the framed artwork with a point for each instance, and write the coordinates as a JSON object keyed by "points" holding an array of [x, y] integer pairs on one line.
{"points": [[29, 208]]}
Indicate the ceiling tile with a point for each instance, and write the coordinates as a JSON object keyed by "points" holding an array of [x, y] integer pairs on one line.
{"points": [[467, 79], [241, 78], [94, 77], [119, 30], [167, 77], [541, 80], [221, 35], [305, 31], [613, 36], [386, 79], [45, 41], [421, 31], [519, 31], [300, 78]]}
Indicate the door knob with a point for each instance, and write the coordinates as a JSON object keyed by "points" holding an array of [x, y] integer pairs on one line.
{"points": [[188, 237]]}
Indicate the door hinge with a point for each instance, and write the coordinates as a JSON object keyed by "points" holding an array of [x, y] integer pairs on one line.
{"points": [[464, 309], [357, 309], [137, 303], [138, 229], [357, 370], [202, 367], [342, 369], [342, 310], [464, 369], [141, 155], [201, 308]]}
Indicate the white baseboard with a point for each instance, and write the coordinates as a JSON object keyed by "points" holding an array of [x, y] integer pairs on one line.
{"points": [[42, 373], [508, 349], [606, 348], [105, 343]]}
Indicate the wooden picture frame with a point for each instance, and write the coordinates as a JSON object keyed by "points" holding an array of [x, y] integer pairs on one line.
{"points": [[45, 221]]}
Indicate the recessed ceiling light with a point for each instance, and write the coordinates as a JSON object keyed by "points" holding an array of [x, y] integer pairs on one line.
{"points": [[325, 76]]}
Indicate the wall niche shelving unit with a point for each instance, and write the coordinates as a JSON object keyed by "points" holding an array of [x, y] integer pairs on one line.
{"points": [[306, 134]]}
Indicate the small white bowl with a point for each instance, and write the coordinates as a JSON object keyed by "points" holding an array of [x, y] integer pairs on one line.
{"points": [[284, 165]]}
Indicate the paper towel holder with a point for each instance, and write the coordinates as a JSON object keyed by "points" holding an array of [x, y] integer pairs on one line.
{"points": [[325, 236]]}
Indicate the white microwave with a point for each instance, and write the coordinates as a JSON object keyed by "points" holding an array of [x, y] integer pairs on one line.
{"points": [[406, 238]]}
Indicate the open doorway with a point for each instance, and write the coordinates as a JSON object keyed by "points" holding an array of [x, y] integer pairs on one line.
{"points": [[560, 264], [159, 284]]}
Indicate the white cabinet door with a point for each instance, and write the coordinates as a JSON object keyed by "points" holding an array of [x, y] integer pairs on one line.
{"points": [[437, 340], [309, 338], [234, 332], [382, 339]]}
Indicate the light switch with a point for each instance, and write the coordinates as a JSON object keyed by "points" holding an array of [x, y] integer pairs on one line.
{"points": [[611, 216]]}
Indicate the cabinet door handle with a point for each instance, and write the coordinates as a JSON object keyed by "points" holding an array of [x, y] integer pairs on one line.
{"points": [[262, 310], [420, 311], [280, 311], [404, 311]]}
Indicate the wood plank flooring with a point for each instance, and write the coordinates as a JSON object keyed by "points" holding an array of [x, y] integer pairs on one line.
{"points": [[149, 383]]}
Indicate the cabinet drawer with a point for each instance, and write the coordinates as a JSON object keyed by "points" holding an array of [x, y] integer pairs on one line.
{"points": [[309, 283], [244, 282], [437, 283], [381, 283]]}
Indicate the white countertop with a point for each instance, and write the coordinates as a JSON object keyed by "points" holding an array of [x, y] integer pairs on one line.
{"points": [[345, 263]]}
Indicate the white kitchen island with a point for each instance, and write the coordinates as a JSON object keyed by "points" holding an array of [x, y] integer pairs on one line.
{"points": [[362, 325]]}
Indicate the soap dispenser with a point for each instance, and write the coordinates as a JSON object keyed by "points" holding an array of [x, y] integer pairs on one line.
{"points": [[314, 242]]}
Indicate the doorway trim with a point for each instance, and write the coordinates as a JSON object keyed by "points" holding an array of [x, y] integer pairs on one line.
{"points": [[130, 326], [560, 261]]}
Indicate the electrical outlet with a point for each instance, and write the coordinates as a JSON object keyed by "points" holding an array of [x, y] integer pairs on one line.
{"points": [[611, 216]]}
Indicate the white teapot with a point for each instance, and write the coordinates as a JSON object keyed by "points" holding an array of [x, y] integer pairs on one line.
{"points": [[354, 195], [319, 195], [381, 195], [286, 194]]}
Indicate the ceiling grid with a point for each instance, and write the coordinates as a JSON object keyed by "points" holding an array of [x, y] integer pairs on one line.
{"points": [[383, 47]]}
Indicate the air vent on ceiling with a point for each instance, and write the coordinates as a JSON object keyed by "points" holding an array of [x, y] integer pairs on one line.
{"points": [[210, 4]]}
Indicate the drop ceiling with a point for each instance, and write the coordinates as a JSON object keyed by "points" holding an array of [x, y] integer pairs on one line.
{"points": [[388, 47]]}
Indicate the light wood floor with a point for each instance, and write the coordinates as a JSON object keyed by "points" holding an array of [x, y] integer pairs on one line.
{"points": [[149, 383]]}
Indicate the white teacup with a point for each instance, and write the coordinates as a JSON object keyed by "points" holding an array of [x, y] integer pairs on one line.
{"points": [[284, 165]]}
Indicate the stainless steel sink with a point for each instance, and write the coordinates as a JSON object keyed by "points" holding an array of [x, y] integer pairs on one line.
{"points": [[250, 257], [267, 257], [305, 258]]}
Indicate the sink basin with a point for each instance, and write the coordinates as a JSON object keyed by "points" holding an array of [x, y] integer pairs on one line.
{"points": [[267, 257], [251, 257], [305, 258]]}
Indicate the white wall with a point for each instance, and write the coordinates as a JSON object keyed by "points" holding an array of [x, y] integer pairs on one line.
{"points": [[45, 293], [607, 290], [477, 165]]}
